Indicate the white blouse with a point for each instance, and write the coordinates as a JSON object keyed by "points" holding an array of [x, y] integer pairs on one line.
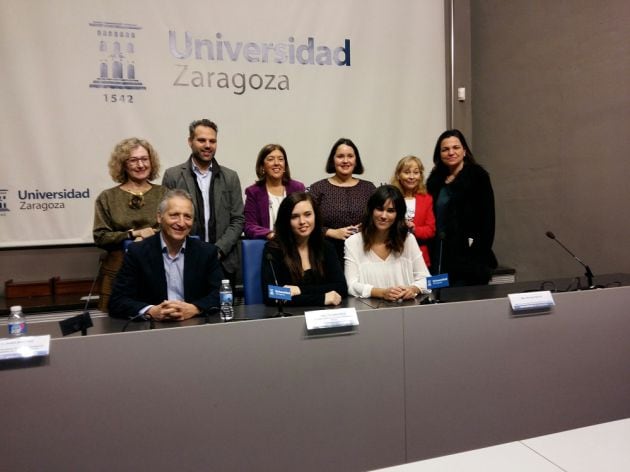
{"points": [[274, 206], [365, 271]]}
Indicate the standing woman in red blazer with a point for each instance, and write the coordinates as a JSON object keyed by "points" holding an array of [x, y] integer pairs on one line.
{"points": [[409, 178]]}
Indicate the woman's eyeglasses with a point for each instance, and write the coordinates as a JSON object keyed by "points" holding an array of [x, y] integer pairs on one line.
{"points": [[134, 161]]}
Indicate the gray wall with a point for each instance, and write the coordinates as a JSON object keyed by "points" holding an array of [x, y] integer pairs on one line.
{"points": [[41, 264], [551, 110]]}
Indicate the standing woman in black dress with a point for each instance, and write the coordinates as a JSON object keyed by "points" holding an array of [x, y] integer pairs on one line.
{"points": [[463, 203]]}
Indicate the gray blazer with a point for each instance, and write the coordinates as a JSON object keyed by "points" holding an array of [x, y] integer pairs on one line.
{"points": [[226, 206]]}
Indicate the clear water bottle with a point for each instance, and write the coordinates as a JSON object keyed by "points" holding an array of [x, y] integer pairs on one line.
{"points": [[226, 300], [17, 322]]}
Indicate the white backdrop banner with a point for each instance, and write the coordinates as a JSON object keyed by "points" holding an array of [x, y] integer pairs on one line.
{"points": [[79, 76]]}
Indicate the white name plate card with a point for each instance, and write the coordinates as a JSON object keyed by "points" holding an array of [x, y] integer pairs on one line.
{"points": [[335, 318], [24, 347], [531, 301]]}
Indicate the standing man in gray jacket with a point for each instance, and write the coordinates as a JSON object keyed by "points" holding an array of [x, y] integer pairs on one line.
{"points": [[216, 192]]}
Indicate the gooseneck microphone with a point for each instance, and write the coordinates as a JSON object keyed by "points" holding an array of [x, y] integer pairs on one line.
{"points": [[588, 273], [83, 321], [435, 295], [280, 303], [438, 291]]}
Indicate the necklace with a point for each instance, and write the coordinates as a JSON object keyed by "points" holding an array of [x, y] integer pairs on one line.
{"points": [[136, 200]]}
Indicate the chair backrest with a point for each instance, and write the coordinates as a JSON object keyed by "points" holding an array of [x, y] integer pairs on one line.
{"points": [[251, 257]]}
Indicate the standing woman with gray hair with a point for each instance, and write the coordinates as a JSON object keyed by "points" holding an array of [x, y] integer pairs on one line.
{"points": [[126, 212]]}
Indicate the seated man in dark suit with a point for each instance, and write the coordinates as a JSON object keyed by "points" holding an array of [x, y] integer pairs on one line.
{"points": [[168, 276]]}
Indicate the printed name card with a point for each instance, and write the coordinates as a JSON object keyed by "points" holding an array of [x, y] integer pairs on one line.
{"points": [[531, 301], [335, 318], [437, 281], [24, 347], [276, 292]]}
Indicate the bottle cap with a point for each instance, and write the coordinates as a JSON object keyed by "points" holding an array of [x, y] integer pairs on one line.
{"points": [[15, 308], [225, 281]]}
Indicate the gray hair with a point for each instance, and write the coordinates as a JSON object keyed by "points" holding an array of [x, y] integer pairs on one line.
{"points": [[177, 192]]}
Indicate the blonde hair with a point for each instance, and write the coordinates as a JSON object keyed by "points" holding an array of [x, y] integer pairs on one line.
{"points": [[121, 154], [404, 162]]}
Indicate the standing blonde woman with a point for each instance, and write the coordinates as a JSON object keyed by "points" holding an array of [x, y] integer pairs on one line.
{"points": [[409, 179], [128, 210]]}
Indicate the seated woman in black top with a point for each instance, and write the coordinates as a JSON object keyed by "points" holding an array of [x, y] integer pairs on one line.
{"points": [[302, 260]]}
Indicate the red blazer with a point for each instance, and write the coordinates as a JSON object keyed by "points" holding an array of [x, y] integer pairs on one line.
{"points": [[424, 224]]}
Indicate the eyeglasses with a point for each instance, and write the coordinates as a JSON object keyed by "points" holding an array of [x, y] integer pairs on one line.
{"points": [[136, 202], [134, 161]]}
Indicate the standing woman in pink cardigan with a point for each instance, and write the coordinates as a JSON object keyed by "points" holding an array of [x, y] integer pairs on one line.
{"points": [[263, 198]]}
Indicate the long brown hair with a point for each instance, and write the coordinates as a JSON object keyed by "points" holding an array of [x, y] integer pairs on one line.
{"points": [[285, 238], [398, 231]]}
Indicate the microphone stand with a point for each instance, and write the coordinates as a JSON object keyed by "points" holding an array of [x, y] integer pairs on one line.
{"points": [[588, 273], [279, 303], [438, 291], [82, 321]]}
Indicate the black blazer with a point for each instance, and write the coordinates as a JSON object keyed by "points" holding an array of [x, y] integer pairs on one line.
{"points": [[470, 214], [141, 280], [313, 294]]}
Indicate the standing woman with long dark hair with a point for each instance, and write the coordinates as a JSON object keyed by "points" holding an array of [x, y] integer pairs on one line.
{"points": [[463, 203], [383, 260], [302, 260]]}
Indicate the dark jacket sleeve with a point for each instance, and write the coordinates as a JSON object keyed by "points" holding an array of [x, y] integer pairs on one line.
{"points": [[256, 223], [139, 283], [202, 275]]}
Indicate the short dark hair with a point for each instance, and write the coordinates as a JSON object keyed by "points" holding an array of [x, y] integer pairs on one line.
{"points": [[203, 122], [451, 133], [398, 231], [263, 153], [330, 163]]}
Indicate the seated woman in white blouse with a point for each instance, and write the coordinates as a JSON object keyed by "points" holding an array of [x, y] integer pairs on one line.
{"points": [[384, 260]]}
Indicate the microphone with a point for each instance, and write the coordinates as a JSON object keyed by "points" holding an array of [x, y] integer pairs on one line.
{"points": [[441, 237], [588, 273], [438, 291], [280, 303], [83, 321], [269, 258]]}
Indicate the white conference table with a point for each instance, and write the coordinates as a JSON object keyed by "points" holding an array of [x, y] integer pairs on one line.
{"points": [[602, 447]]}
